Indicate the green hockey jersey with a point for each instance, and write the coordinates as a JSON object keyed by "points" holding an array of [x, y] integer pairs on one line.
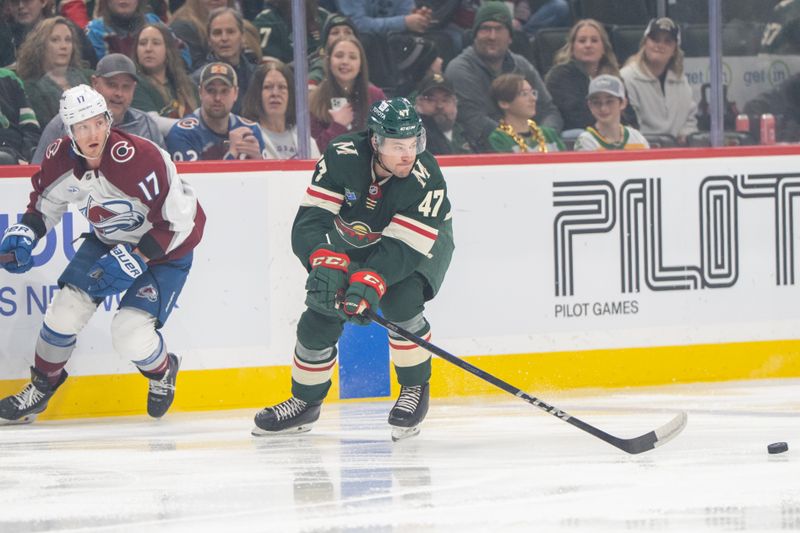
{"points": [[782, 32], [393, 226]]}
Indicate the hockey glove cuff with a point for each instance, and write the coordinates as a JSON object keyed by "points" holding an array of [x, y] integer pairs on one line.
{"points": [[327, 279], [18, 242], [115, 271], [365, 291]]}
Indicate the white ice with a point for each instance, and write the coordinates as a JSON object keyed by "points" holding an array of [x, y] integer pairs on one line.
{"points": [[479, 464]]}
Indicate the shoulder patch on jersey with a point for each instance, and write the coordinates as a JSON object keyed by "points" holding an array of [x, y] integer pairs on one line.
{"points": [[122, 151], [345, 148], [52, 148], [421, 173], [188, 123]]}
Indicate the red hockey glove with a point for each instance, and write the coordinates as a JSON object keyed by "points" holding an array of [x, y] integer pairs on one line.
{"points": [[328, 277], [366, 289]]}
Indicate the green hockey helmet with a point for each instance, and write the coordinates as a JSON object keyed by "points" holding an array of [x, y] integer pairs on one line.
{"points": [[396, 118]]}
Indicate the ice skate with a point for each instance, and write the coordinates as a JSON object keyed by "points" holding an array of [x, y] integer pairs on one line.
{"points": [[23, 407], [162, 391], [409, 411], [291, 416]]}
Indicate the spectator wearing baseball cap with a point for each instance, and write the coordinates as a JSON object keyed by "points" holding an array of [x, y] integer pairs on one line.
{"points": [[115, 78], [213, 131], [607, 101], [518, 132], [437, 105], [658, 89], [226, 40], [474, 69]]}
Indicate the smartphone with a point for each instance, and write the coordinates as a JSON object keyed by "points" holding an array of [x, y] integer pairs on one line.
{"points": [[338, 103]]}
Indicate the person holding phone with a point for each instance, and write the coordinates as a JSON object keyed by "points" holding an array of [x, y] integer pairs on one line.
{"points": [[341, 103], [213, 131]]}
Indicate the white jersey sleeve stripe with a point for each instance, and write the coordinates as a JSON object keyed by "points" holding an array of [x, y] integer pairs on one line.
{"points": [[416, 235], [322, 198]]}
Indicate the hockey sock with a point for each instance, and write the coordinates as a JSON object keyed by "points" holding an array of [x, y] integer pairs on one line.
{"points": [[412, 363], [53, 350], [155, 365], [311, 372]]}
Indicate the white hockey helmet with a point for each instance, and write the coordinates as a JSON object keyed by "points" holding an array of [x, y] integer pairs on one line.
{"points": [[79, 103]]}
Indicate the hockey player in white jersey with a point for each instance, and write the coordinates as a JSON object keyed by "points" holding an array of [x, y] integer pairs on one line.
{"points": [[146, 223]]}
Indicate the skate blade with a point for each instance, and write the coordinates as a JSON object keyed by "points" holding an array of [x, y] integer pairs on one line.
{"points": [[18, 422], [404, 433], [258, 432]]}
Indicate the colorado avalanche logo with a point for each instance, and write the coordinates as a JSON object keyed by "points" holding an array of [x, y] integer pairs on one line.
{"points": [[188, 123], [52, 149], [112, 216], [122, 152], [148, 292]]}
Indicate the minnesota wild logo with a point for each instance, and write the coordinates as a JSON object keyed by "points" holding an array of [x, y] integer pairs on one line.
{"points": [[357, 234]]}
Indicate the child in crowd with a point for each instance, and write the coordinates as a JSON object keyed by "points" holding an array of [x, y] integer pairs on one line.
{"points": [[517, 131], [606, 101]]}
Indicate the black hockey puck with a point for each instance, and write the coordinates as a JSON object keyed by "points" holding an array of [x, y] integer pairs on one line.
{"points": [[777, 447]]}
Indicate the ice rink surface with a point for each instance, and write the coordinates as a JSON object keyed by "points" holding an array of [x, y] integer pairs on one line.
{"points": [[480, 464]]}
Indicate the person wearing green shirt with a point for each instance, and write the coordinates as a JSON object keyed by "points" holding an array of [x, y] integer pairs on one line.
{"points": [[517, 131], [374, 230], [275, 28]]}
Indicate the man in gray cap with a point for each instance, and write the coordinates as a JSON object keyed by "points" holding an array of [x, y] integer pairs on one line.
{"points": [[115, 79]]}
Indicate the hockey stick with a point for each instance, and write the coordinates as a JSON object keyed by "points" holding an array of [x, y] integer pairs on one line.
{"points": [[9, 257], [635, 445]]}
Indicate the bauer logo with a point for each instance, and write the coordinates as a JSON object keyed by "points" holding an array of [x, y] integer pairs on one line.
{"points": [[633, 210]]}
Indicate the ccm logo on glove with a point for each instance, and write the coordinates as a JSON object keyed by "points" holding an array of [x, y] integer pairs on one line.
{"points": [[323, 257]]}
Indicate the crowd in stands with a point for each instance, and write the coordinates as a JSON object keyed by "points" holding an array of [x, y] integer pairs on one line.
{"points": [[213, 79]]}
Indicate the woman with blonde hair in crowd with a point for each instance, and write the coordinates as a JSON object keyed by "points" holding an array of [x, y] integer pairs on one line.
{"points": [[269, 102], [657, 87], [342, 100], [517, 131], [586, 55], [164, 90], [49, 62]]}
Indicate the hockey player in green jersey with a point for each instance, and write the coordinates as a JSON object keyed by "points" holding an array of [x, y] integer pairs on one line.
{"points": [[373, 230]]}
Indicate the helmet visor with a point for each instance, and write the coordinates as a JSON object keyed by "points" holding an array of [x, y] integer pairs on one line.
{"points": [[411, 145]]}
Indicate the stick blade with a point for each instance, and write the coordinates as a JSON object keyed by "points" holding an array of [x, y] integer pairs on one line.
{"points": [[657, 437]]}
